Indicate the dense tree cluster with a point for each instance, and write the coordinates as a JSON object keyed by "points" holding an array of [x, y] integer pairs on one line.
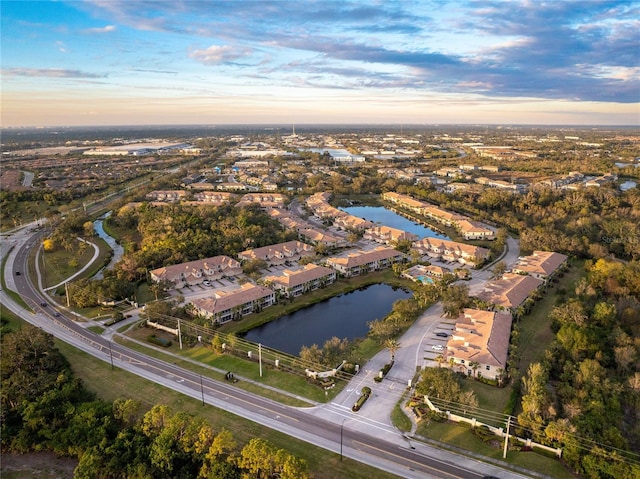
{"points": [[174, 234], [43, 407], [592, 222], [86, 293], [585, 395], [442, 383]]}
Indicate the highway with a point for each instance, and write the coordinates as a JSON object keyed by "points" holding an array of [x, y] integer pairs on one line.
{"points": [[333, 427]]}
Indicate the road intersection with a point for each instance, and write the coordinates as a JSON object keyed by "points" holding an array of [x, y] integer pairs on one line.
{"points": [[367, 436]]}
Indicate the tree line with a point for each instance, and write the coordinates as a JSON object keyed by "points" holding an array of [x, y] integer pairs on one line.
{"points": [[584, 396], [43, 407]]}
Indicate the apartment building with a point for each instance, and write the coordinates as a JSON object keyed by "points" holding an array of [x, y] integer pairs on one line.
{"points": [[541, 264], [479, 343], [166, 196], [387, 235], [509, 292], [448, 250], [278, 253], [195, 272], [265, 200], [353, 263], [295, 282], [228, 305]]}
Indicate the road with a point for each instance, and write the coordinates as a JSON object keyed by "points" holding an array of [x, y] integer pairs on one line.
{"points": [[332, 426]]}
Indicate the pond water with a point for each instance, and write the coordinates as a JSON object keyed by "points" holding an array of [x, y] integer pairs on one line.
{"points": [[344, 316], [383, 216]]}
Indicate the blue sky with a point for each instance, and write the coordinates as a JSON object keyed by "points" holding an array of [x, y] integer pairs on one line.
{"points": [[115, 62]]}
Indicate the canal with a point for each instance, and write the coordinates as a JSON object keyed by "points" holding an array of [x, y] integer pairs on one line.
{"points": [[118, 250], [344, 316]]}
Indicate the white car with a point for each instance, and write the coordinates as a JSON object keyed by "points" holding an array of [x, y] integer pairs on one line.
{"points": [[206, 282], [437, 347]]}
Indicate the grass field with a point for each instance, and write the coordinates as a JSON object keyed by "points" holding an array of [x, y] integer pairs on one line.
{"points": [[111, 385], [461, 437]]}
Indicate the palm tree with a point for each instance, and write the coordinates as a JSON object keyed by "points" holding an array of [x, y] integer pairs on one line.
{"points": [[440, 360], [474, 365], [392, 345]]}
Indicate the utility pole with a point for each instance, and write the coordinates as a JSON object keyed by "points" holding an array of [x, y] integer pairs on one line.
{"points": [[260, 357], [506, 439], [179, 335], [66, 290], [110, 354], [341, 434], [202, 389]]}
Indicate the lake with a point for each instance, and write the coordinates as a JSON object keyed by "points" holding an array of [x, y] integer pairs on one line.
{"points": [[385, 217], [344, 316]]}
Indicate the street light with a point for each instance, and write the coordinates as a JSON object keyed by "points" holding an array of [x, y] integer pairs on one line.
{"points": [[202, 389]]}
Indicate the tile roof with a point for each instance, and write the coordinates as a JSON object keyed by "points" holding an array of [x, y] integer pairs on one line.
{"points": [[542, 263], [510, 291], [481, 336]]}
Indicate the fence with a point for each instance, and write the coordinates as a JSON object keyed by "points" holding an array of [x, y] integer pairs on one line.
{"points": [[498, 431]]}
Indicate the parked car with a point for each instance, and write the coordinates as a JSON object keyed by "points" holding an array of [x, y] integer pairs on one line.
{"points": [[206, 282], [437, 347], [441, 334]]}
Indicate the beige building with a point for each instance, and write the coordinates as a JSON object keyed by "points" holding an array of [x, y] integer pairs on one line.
{"points": [[479, 344], [265, 200], [388, 235], [225, 306], [299, 281], [474, 230], [541, 264], [278, 253], [451, 251], [215, 198], [195, 272], [425, 274], [167, 196], [358, 262], [510, 291]]}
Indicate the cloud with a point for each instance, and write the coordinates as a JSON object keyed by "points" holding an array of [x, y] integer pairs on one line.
{"points": [[48, 73], [524, 48], [98, 30], [219, 54]]}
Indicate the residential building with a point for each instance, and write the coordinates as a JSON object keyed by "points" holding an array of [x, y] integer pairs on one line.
{"points": [[353, 263], [167, 196], [388, 235], [195, 272], [215, 198], [265, 200], [541, 264], [474, 230], [425, 274], [295, 282], [227, 305], [278, 253], [479, 343], [509, 292], [448, 250]]}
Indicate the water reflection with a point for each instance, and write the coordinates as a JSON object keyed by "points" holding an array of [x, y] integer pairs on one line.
{"points": [[344, 316]]}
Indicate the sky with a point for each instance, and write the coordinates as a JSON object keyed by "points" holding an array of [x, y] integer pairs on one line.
{"points": [[142, 62]]}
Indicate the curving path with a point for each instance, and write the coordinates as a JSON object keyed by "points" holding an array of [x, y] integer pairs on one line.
{"points": [[366, 436]]}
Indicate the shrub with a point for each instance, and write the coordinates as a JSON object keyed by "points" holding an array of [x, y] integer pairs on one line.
{"points": [[484, 433], [384, 372], [152, 338], [366, 392]]}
